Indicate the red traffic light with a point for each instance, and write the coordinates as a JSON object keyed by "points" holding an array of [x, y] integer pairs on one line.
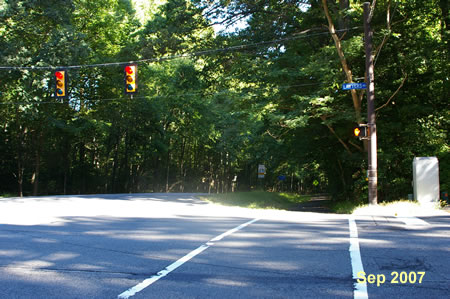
{"points": [[61, 84], [59, 75], [130, 79], [129, 69]]}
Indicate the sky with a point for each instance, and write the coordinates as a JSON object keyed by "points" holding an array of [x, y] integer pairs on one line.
{"points": [[143, 7]]}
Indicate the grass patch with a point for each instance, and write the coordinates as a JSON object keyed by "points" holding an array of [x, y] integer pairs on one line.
{"points": [[401, 207], [7, 195], [258, 200], [351, 207], [345, 207], [396, 208]]}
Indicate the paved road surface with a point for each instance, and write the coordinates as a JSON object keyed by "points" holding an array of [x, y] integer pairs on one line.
{"points": [[175, 246]]}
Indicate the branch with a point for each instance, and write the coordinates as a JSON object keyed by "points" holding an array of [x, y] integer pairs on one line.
{"points": [[279, 138], [338, 138], [357, 146], [273, 136], [393, 95], [361, 95], [372, 9], [345, 67], [174, 184], [386, 36]]}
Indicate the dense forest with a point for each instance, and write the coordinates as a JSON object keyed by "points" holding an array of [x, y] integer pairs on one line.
{"points": [[223, 86]]}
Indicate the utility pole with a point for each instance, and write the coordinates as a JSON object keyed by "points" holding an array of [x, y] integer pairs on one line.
{"points": [[372, 148]]}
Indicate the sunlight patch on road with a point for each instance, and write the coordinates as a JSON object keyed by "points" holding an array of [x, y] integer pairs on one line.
{"points": [[57, 210], [399, 209], [12, 253], [226, 282]]}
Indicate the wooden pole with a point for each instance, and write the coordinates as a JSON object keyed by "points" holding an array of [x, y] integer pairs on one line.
{"points": [[372, 148]]}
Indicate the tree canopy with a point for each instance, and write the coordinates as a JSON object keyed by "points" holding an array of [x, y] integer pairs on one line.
{"points": [[213, 104]]}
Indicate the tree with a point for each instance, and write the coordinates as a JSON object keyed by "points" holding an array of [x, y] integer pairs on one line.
{"points": [[212, 106]]}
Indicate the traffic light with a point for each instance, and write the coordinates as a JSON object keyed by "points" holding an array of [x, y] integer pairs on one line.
{"points": [[61, 84], [130, 79], [361, 131]]}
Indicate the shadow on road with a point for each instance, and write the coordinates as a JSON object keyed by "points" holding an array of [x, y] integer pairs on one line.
{"points": [[317, 204]]}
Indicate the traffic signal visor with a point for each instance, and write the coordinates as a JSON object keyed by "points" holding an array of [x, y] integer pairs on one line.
{"points": [[130, 79], [60, 84]]}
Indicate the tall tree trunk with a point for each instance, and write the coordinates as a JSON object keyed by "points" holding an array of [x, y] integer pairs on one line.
{"points": [[343, 19], [168, 167], [210, 180], [182, 158], [125, 164], [20, 158], [19, 176], [115, 162], [82, 174], [340, 52], [445, 34], [66, 157], [37, 164]]}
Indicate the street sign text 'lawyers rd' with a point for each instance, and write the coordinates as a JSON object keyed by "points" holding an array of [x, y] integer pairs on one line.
{"points": [[347, 86]]}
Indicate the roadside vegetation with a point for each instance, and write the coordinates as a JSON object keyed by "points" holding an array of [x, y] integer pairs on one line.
{"points": [[401, 207], [211, 106], [258, 200], [346, 206], [291, 202]]}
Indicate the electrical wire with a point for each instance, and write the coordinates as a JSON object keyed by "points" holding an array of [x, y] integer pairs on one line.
{"points": [[151, 96], [304, 34], [170, 57]]}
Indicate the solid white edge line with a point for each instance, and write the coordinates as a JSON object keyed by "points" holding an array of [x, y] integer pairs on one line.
{"points": [[360, 289], [139, 287]]}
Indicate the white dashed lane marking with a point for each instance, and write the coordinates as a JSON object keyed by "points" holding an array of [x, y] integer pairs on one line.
{"points": [[147, 282]]}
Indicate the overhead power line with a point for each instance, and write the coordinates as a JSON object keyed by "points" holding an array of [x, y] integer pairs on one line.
{"points": [[304, 34], [75, 100]]}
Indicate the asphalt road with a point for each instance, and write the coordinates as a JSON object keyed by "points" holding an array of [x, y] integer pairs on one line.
{"points": [[175, 246]]}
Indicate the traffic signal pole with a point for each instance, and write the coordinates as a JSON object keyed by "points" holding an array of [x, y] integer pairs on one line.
{"points": [[372, 148]]}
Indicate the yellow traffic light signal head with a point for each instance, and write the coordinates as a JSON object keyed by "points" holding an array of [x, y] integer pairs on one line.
{"points": [[130, 79], [60, 84], [361, 131]]}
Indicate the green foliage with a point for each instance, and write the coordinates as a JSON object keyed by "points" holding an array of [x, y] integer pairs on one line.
{"points": [[204, 122], [345, 206], [258, 200]]}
